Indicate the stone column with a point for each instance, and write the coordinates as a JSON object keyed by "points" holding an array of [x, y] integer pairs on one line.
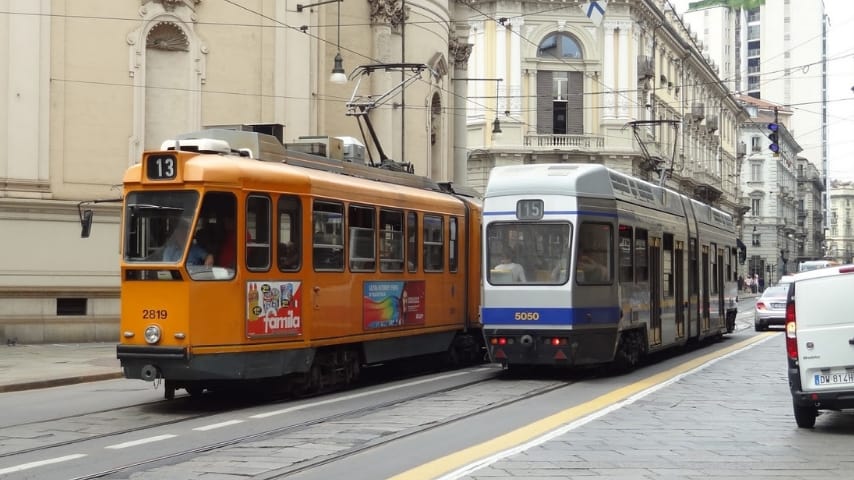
{"points": [[459, 52], [608, 74], [386, 18]]}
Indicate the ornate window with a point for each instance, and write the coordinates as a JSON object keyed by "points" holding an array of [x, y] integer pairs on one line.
{"points": [[560, 92], [559, 45]]}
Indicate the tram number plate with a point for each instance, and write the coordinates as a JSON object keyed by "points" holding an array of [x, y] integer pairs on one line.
{"points": [[834, 378]]}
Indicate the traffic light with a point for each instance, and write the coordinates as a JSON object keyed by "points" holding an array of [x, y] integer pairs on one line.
{"points": [[773, 128]]}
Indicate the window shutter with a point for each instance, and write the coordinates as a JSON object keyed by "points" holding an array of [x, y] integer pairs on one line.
{"points": [[545, 107], [575, 104]]}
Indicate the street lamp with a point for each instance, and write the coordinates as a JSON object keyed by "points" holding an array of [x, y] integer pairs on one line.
{"points": [[338, 75]]}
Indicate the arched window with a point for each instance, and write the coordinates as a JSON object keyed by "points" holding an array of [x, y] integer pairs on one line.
{"points": [[559, 45], [560, 89]]}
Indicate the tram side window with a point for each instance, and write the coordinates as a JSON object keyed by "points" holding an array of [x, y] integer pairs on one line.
{"points": [[391, 241], [453, 246], [217, 234], [258, 233], [641, 256], [411, 242], [667, 265], [362, 223], [713, 259], [594, 264], [328, 241], [730, 271], [289, 248], [433, 244], [627, 269]]}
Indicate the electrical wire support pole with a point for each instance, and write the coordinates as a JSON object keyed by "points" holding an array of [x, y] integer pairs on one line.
{"points": [[360, 106], [651, 162]]}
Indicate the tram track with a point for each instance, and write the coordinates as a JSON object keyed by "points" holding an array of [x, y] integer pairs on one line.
{"points": [[309, 463], [88, 418], [214, 404]]}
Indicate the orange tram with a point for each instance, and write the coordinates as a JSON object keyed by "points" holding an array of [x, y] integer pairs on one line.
{"points": [[243, 261]]}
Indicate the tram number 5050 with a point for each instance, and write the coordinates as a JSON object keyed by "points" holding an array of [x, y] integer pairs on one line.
{"points": [[526, 316]]}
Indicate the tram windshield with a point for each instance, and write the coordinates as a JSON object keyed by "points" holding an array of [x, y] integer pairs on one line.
{"points": [[528, 253], [158, 226]]}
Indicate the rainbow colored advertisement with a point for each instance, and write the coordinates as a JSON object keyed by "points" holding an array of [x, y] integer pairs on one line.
{"points": [[273, 309], [393, 304]]}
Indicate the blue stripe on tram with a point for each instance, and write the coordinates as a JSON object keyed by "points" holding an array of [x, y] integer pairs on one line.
{"points": [[532, 316]]}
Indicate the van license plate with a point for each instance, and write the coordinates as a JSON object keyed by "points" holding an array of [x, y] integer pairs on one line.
{"points": [[834, 379]]}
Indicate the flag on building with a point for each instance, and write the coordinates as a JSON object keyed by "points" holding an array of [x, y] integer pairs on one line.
{"points": [[595, 11]]}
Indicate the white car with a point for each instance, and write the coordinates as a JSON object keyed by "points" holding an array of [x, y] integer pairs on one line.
{"points": [[820, 342]]}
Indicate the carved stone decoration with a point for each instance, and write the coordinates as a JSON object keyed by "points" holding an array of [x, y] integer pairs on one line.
{"points": [[167, 36], [170, 5], [459, 51], [388, 11]]}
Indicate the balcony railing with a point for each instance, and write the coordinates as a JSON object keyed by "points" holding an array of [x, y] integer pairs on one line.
{"points": [[572, 142]]}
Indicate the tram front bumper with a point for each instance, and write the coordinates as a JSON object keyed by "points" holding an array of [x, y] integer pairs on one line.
{"points": [[552, 347]]}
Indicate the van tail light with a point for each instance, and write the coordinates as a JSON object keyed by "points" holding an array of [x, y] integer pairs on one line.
{"points": [[791, 331]]}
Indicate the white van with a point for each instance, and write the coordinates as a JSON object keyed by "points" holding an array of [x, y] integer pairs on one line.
{"points": [[811, 265], [820, 342]]}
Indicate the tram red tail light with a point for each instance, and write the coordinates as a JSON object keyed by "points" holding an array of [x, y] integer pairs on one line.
{"points": [[501, 341], [555, 341]]}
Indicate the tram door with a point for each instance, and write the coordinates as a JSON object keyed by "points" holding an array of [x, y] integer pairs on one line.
{"points": [[655, 290], [679, 285], [704, 289], [693, 289], [719, 288]]}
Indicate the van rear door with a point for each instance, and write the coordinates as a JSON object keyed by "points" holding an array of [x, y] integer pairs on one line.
{"points": [[824, 312]]}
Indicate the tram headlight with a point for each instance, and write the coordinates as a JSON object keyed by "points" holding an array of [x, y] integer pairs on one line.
{"points": [[152, 334]]}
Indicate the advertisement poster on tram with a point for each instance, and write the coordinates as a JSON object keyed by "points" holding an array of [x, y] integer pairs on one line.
{"points": [[273, 309], [393, 304]]}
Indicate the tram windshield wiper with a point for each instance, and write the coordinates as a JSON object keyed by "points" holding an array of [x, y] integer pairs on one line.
{"points": [[149, 206]]}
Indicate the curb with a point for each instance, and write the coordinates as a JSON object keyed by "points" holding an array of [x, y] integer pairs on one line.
{"points": [[58, 382]]}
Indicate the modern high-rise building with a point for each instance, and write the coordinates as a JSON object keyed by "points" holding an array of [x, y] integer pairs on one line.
{"points": [[777, 53]]}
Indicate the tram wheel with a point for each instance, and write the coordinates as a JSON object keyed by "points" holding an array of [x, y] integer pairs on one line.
{"points": [[169, 390], [351, 368], [315, 382], [195, 391], [628, 351]]}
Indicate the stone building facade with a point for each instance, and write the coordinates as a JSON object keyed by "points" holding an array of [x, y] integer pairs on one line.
{"points": [[85, 87]]}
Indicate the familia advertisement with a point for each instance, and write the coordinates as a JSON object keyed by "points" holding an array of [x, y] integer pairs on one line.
{"points": [[273, 309], [393, 304]]}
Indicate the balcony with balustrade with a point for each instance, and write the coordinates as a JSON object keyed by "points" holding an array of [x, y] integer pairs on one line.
{"points": [[549, 142]]}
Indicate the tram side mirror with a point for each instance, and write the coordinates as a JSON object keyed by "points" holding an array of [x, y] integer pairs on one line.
{"points": [[86, 223]]}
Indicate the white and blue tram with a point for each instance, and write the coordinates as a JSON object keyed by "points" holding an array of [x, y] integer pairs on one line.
{"points": [[584, 265]]}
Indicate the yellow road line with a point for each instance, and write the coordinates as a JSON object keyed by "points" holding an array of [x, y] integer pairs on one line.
{"points": [[454, 461]]}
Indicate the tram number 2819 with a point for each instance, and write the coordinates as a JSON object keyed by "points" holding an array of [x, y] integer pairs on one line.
{"points": [[526, 316]]}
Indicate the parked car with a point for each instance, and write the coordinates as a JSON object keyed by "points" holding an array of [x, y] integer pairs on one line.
{"points": [[770, 308], [820, 342]]}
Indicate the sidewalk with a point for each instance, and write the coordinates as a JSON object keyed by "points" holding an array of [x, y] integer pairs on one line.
{"points": [[26, 367]]}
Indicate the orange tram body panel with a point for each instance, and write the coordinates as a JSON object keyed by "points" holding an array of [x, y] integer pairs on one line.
{"points": [[289, 266]]}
